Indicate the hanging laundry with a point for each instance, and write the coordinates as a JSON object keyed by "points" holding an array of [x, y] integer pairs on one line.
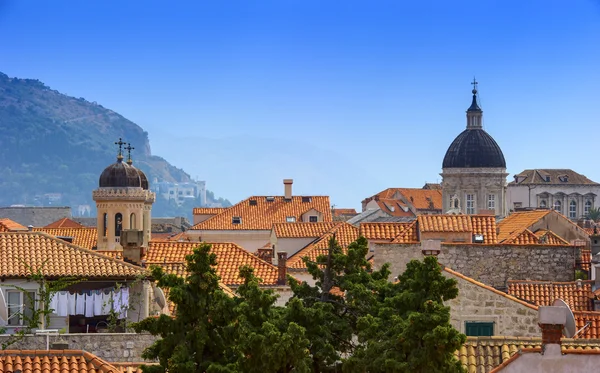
{"points": [[116, 306], [124, 303], [71, 304], [80, 304], [107, 302], [98, 300], [89, 305], [53, 305], [62, 303]]}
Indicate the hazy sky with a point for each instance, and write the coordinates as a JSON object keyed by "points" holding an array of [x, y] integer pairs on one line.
{"points": [[347, 98]]}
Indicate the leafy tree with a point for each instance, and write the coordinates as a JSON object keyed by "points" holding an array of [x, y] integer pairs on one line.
{"points": [[594, 213], [212, 332], [410, 329]]}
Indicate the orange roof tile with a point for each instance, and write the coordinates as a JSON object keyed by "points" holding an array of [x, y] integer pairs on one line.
{"points": [[392, 200], [230, 257], [525, 237], [262, 213], [394, 207], [55, 361], [342, 212], [409, 235], [344, 233], [550, 238], [382, 231], [86, 237], [577, 294], [518, 221], [486, 226], [64, 223], [7, 225], [208, 210], [56, 258], [582, 318], [133, 367], [445, 223], [423, 199], [296, 230], [585, 259]]}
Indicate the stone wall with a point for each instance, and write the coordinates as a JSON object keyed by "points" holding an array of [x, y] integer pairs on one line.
{"points": [[36, 216], [491, 264], [112, 347], [479, 303]]}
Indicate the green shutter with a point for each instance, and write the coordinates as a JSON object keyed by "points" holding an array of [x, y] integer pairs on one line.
{"points": [[479, 329]]}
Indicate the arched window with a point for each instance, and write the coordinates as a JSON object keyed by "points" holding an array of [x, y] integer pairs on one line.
{"points": [[118, 224], [558, 206], [587, 207], [543, 204], [104, 224], [132, 221], [572, 209]]}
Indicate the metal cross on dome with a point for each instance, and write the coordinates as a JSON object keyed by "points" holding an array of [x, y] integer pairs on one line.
{"points": [[474, 84], [129, 148], [120, 143]]}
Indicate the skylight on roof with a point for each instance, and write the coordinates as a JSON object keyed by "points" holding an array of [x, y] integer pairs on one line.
{"points": [[290, 219], [253, 202], [306, 199], [236, 220], [270, 199]]}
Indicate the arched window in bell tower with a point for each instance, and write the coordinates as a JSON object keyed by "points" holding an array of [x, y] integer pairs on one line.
{"points": [[104, 224], [118, 224], [132, 221]]}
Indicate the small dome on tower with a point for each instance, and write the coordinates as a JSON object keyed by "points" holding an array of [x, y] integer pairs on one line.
{"points": [[121, 174]]}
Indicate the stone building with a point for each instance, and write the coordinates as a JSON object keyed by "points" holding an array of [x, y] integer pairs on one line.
{"points": [[474, 170], [563, 190], [123, 201]]}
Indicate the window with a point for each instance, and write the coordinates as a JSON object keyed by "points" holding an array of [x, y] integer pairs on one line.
{"points": [[132, 221], [306, 199], [253, 202], [572, 209], [313, 219], [20, 307], [479, 329], [558, 206], [118, 224], [171, 192], [518, 205], [587, 207], [290, 219], [543, 204], [105, 224], [470, 203], [236, 220], [270, 199], [180, 193], [491, 202]]}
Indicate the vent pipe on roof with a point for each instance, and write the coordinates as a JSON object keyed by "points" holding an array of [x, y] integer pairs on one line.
{"points": [[287, 187]]}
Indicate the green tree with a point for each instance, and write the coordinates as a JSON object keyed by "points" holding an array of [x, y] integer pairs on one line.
{"points": [[409, 330], [594, 214], [213, 332]]}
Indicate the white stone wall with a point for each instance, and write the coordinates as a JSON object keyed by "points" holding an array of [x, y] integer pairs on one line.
{"points": [[531, 196]]}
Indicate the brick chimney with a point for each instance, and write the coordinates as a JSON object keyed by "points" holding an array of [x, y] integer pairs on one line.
{"points": [[552, 320], [281, 267], [287, 188]]}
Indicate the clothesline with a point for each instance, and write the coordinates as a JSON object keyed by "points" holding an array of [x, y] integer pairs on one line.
{"points": [[91, 303]]}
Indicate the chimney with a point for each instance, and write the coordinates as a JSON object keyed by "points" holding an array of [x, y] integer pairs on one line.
{"points": [[281, 266], [30, 227], [265, 254], [552, 320], [287, 187]]}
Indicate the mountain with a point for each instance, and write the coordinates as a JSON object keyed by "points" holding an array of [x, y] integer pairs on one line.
{"points": [[52, 143]]}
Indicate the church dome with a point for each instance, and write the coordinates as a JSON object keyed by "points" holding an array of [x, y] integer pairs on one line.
{"points": [[121, 175], [474, 148], [143, 178]]}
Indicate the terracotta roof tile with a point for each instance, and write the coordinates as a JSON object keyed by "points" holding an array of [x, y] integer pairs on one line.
{"points": [[525, 237], [133, 367], [230, 257], [297, 230], [486, 226], [582, 318], [482, 354], [64, 223], [262, 213], [7, 225], [585, 259], [208, 210], [394, 207], [343, 212], [420, 199], [550, 238], [55, 361], [409, 235], [577, 294], [538, 177], [86, 237], [445, 223], [345, 234], [517, 222], [56, 258], [382, 230]]}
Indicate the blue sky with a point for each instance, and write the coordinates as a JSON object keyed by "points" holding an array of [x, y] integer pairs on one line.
{"points": [[347, 98]]}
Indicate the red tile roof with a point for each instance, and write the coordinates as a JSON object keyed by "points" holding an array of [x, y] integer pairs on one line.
{"points": [[266, 211], [393, 200], [582, 318], [64, 223], [409, 235], [7, 225], [342, 212], [585, 259], [344, 233], [55, 361], [230, 257], [516, 223], [382, 231], [577, 294], [208, 210], [476, 224], [86, 237]]}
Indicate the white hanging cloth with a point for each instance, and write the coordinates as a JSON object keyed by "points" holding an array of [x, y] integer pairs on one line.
{"points": [[89, 305], [80, 304], [71, 304]]}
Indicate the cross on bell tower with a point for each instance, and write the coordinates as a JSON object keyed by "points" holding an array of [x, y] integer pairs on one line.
{"points": [[129, 148], [474, 83], [120, 143]]}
